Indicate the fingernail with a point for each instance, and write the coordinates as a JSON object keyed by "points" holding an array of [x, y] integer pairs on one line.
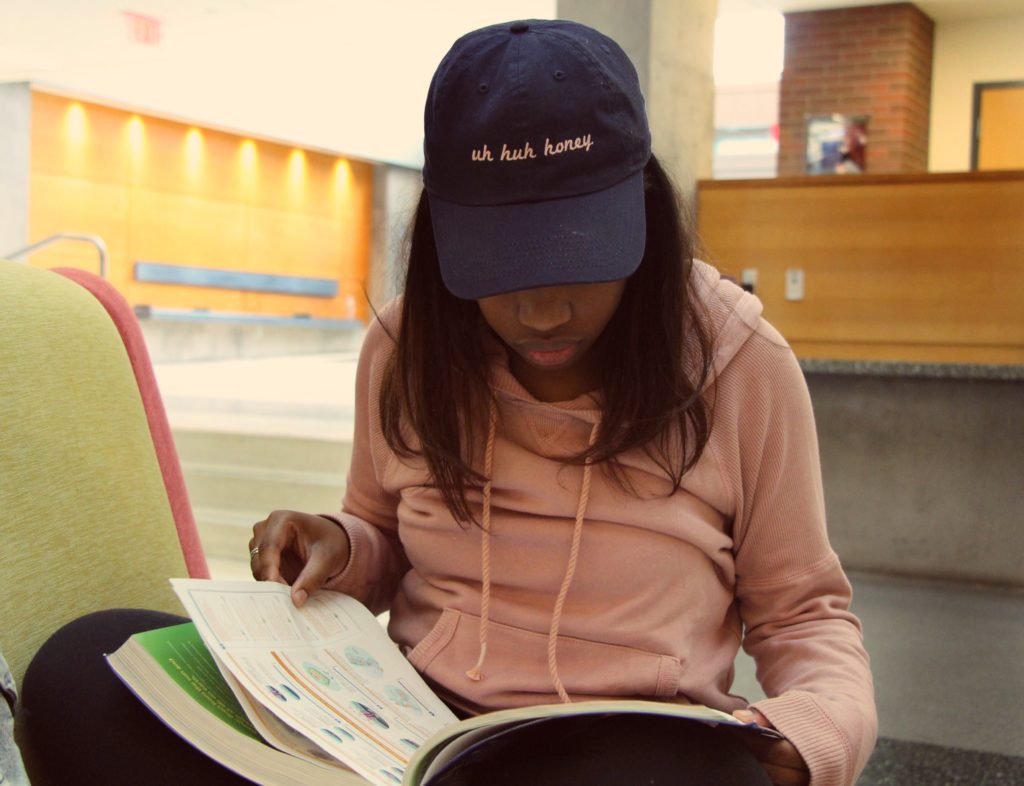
{"points": [[299, 597]]}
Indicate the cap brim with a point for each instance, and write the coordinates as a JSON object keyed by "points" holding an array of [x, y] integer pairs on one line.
{"points": [[487, 250]]}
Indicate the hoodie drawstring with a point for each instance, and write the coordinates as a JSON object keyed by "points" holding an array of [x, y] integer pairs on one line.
{"points": [[570, 571], [476, 673]]}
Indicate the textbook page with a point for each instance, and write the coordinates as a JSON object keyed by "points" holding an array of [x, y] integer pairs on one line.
{"points": [[328, 670], [174, 675], [272, 730]]}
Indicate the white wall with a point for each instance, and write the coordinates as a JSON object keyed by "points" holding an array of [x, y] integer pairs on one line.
{"points": [[350, 76], [346, 76], [968, 51], [396, 192]]}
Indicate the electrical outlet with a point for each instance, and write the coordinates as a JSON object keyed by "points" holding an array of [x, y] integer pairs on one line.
{"points": [[795, 283]]}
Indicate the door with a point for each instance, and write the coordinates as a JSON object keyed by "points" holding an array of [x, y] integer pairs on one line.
{"points": [[998, 126]]}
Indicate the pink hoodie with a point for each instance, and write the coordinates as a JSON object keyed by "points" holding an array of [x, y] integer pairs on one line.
{"points": [[574, 582]]}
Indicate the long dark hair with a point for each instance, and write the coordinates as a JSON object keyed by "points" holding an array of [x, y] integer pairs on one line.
{"points": [[657, 358]]}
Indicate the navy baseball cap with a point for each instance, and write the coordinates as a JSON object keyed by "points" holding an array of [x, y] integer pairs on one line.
{"points": [[535, 141]]}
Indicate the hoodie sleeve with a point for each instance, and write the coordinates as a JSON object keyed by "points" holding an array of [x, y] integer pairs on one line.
{"points": [[793, 594], [369, 513]]}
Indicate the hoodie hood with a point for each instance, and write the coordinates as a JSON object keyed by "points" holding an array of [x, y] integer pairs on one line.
{"points": [[734, 315]]}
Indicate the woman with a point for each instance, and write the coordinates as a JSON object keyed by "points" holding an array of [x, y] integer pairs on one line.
{"points": [[584, 465]]}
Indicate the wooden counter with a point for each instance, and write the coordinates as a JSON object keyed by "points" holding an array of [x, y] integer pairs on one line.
{"points": [[918, 268]]}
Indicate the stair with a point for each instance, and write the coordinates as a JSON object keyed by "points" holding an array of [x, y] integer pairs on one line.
{"points": [[237, 479], [256, 435]]}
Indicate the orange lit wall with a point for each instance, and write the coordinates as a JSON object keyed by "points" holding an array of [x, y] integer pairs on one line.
{"points": [[160, 191]]}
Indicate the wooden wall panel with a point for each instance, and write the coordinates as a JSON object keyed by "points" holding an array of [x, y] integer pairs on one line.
{"points": [[84, 206], [296, 181], [174, 158], [288, 243], [912, 268], [73, 139], [187, 230], [162, 191], [295, 244]]}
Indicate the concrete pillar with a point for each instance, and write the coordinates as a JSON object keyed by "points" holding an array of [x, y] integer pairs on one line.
{"points": [[396, 191], [15, 131], [671, 43]]}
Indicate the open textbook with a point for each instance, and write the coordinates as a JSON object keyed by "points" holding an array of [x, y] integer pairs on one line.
{"points": [[317, 695]]}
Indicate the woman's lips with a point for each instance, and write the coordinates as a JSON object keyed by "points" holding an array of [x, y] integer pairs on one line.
{"points": [[551, 355]]}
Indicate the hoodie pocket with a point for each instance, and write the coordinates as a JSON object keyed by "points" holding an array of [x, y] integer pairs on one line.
{"points": [[515, 671]]}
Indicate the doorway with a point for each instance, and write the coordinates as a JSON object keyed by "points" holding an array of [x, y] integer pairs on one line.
{"points": [[998, 138]]}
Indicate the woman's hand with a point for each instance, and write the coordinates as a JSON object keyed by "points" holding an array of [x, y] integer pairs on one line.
{"points": [[299, 549], [784, 765]]}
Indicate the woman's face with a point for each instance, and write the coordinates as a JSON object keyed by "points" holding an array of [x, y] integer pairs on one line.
{"points": [[550, 333]]}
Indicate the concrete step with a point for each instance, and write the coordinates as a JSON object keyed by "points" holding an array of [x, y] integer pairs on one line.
{"points": [[176, 338], [270, 451], [243, 488], [225, 533], [308, 396], [227, 569], [235, 480]]}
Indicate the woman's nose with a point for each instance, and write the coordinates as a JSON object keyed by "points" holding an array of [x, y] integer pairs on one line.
{"points": [[545, 312]]}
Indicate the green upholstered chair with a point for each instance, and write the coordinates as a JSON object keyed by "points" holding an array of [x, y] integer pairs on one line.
{"points": [[93, 509]]}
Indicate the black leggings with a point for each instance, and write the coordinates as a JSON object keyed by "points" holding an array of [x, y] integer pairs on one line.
{"points": [[86, 727]]}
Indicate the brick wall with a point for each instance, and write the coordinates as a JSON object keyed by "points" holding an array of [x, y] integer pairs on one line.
{"points": [[872, 60]]}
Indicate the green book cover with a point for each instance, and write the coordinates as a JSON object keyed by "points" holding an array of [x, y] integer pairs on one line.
{"points": [[181, 653]]}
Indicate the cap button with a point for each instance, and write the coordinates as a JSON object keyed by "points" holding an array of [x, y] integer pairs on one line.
{"points": [[519, 27]]}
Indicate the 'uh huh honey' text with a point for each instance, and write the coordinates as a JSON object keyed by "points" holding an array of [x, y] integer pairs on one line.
{"points": [[525, 152]]}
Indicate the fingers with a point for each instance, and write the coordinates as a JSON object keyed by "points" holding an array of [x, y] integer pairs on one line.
{"points": [[324, 560], [786, 776], [780, 753], [752, 716], [780, 758], [254, 547], [267, 565], [273, 537], [299, 549], [264, 552]]}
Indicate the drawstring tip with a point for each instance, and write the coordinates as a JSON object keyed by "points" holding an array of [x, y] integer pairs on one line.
{"points": [[476, 674]]}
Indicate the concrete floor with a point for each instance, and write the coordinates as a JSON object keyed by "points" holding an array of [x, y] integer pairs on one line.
{"points": [[948, 662], [948, 659]]}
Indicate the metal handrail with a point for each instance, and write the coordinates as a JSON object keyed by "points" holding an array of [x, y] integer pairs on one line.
{"points": [[95, 240]]}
